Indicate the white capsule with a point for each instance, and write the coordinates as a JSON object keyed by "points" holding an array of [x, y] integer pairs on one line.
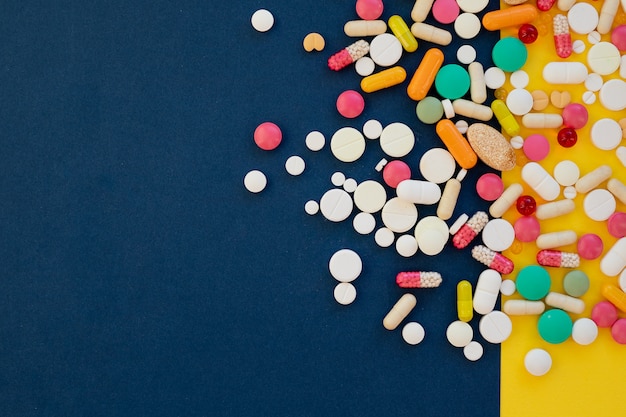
{"points": [[593, 179], [565, 73], [476, 111], [523, 307], [554, 209], [542, 120], [478, 88], [617, 188], [431, 33], [419, 192], [506, 200], [541, 181], [487, 291], [565, 302], [556, 239], [614, 261]]}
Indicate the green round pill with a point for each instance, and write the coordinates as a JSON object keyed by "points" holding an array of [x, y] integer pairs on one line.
{"points": [[576, 283], [429, 110], [555, 326], [533, 282], [509, 54], [452, 81]]}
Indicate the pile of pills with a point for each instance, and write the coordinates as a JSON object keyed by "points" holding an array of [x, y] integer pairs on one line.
{"points": [[459, 100]]}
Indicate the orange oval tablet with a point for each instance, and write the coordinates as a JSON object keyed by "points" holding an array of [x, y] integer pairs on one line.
{"points": [[456, 143], [425, 74]]}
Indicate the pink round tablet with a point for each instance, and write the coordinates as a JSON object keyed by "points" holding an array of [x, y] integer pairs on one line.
{"points": [[445, 11], [396, 172], [604, 314], [350, 104], [536, 147], [590, 246], [618, 331], [617, 224], [575, 115], [618, 37], [489, 187], [369, 9], [267, 136], [527, 229]]}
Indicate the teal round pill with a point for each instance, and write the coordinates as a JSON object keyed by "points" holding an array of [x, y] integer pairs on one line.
{"points": [[555, 326], [533, 282], [576, 283], [429, 110], [509, 54], [452, 81]]}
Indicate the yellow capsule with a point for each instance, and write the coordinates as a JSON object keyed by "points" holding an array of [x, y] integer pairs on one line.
{"points": [[615, 296], [383, 79], [505, 117], [401, 31], [464, 307]]}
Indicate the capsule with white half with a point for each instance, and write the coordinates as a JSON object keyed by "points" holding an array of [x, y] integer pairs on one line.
{"points": [[487, 291], [523, 307], [556, 239], [419, 192], [565, 302], [542, 120], [565, 73]]}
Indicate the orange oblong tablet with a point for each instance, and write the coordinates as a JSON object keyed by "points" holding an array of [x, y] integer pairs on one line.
{"points": [[456, 143], [425, 74], [512, 16], [383, 79]]}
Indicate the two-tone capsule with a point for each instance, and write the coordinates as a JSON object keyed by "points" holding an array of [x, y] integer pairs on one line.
{"points": [[493, 259], [348, 55], [418, 279], [548, 257], [470, 230]]}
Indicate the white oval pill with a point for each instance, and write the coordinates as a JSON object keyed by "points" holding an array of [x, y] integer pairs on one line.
{"points": [[582, 18], [370, 196], [262, 20], [519, 101], [466, 54], [397, 140], [613, 95], [495, 327], [473, 351], [487, 291], [614, 261], [406, 246], [599, 204], [458, 223], [295, 165], [498, 235], [372, 129], [437, 165], [364, 66], [419, 192], [566, 173], [345, 265], [345, 293], [336, 205], [385, 49], [606, 134], [467, 25], [315, 141], [459, 333], [311, 207], [384, 237], [603, 58], [255, 181], [364, 223], [347, 144], [413, 333], [494, 78], [565, 72], [584, 331], [537, 362], [594, 82], [399, 215], [519, 79], [541, 181]]}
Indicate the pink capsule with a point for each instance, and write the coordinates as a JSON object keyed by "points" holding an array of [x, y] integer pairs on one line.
{"points": [[562, 37], [548, 257], [470, 230], [492, 259], [545, 5], [348, 55], [420, 279]]}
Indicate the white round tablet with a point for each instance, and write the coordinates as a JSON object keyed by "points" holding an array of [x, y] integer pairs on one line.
{"points": [[584, 331], [311, 207], [364, 66], [370, 196], [345, 265], [437, 165], [498, 235], [406, 246], [622, 280], [399, 215], [589, 97], [255, 181], [384, 237], [364, 223], [495, 327], [517, 142], [338, 178], [613, 95], [462, 126], [599, 204], [519, 101], [537, 362], [372, 129], [315, 141], [494, 78], [472, 6], [566, 173], [594, 82], [594, 37], [466, 54], [336, 205], [507, 287], [519, 79], [347, 144], [603, 58], [467, 25], [413, 333], [350, 185], [431, 234], [345, 293], [459, 333], [295, 165], [578, 46], [473, 351], [570, 192], [606, 134], [582, 18], [397, 140], [262, 20], [385, 49]]}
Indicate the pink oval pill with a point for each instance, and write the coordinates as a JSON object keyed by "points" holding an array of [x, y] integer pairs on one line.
{"points": [[527, 229], [618, 37], [618, 331], [536, 147], [369, 9], [489, 187], [617, 224], [604, 314], [589, 246], [575, 116], [445, 11], [268, 136], [395, 172], [350, 104]]}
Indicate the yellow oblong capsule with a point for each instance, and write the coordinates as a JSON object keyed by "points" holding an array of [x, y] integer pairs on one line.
{"points": [[401, 31], [505, 117], [383, 79], [464, 307]]}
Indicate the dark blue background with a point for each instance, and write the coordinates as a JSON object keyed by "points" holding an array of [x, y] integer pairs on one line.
{"points": [[139, 277]]}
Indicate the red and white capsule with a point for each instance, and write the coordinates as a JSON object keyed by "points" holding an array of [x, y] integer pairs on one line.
{"points": [[562, 37], [348, 55], [419, 279], [470, 230], [556, 258], [492, 259]]}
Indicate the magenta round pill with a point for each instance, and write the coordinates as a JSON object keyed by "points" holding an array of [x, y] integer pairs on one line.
{"points": [[590, 246], [527, 229], [575, 115], [618, 331], [604, 314], [618, 37], [536, 147], [489, 187], [617, 224], [445, 11], [350, 104], [369, 9], [396, 172], [268, 136]]}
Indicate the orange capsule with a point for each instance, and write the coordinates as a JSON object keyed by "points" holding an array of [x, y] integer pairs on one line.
{"points": [[615, 296], [456, 143], [425, 74], [512, 16]]}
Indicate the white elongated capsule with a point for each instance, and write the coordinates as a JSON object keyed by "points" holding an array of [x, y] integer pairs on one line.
{"points": [[617, 188], [419, 192], [399, 311], [506, 200], [523, 307], [593, 179], [448, 200], [478, 88], [420, 10], [621, 151], [556, 239], [431, 33], [565, 5], [541, 181], [474, 110], [554, 209], [360, 28], [565, 302], [542, 120], [565, 72], [487, 291], [614, 261], [607, 15]]}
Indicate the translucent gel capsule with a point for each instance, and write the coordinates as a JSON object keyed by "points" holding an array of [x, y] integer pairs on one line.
{"points": [[548, 257], [562, 37], [348, 55], [492, 259], [464, 306], [470, 230], [420, 279]]}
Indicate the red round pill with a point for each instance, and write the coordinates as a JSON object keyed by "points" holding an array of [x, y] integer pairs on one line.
{"points": [[267, 136], [526, 205], [396, 172], [604, 314], [567, 137], [618, 37], [536, 147], [527, 229], [445, 11], [617, 224], [575, 115], [527, 33], [369, 9], [350, 104], [589, 246], [489, 187], [618, 331]]}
